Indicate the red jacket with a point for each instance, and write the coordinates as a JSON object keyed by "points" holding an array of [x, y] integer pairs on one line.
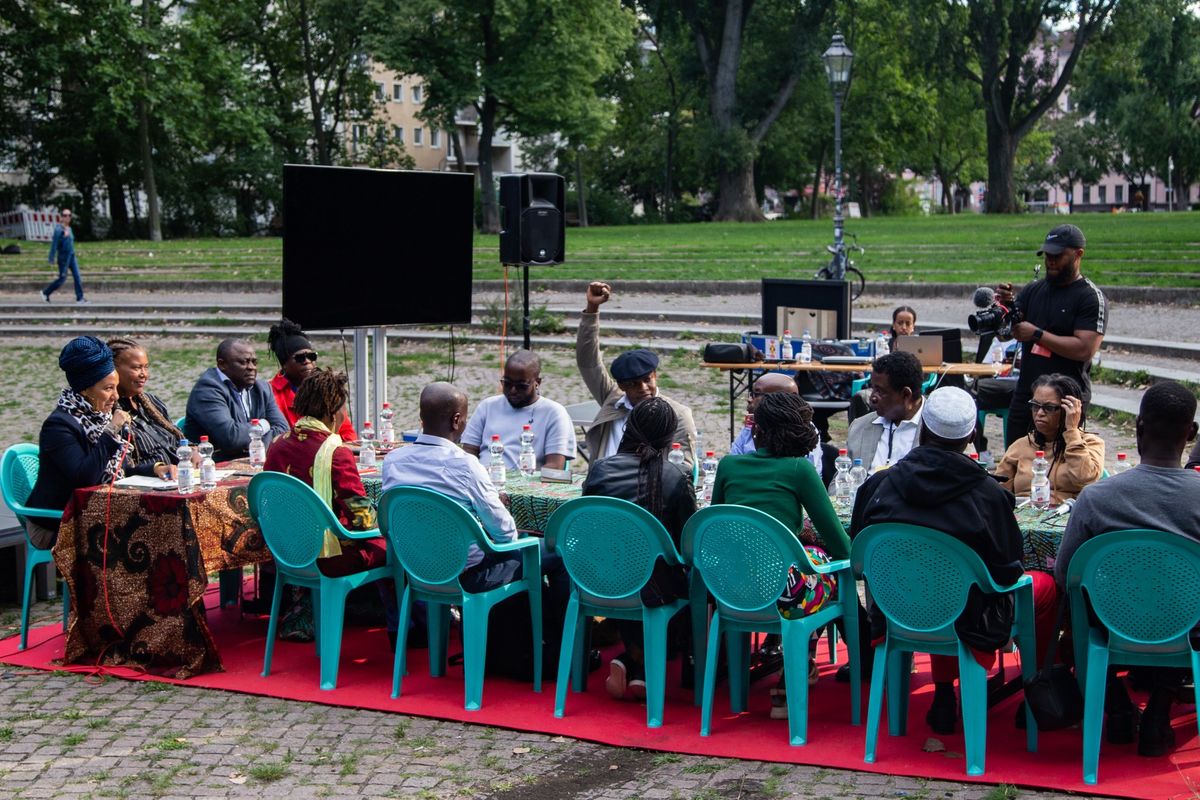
{"points": [[285, 398]]}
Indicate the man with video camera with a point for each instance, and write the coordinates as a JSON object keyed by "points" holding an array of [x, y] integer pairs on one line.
{"points": [[1059, 321]]}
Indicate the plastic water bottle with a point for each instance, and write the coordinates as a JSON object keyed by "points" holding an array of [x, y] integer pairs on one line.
{"points": [[858, 473], [676, 454], [996, 353], [527, 458], [366, 446], [258, 450], [496, 463], [785, 346], [985, 460], [842, 488], [387, 433], [208, 468], [699, 451], [1122, 465], [806, 348], [1039, 486], [881, 345], [708, 469], [186, 473]]}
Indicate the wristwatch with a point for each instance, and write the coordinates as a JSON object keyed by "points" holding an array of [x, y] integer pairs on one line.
{"points": [[1037, 334]]}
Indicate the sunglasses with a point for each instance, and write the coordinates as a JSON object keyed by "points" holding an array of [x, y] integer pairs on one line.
{"points": [[1049, 408], [302, 357]]}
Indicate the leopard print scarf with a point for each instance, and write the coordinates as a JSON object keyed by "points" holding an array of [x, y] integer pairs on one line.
{"points": [[95, 425]]}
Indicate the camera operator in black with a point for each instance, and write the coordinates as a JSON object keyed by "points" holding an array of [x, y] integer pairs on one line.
{"points": [[1064, 315]]}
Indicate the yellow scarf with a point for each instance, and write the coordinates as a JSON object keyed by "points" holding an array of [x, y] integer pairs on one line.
{"points": [[322, 475]]}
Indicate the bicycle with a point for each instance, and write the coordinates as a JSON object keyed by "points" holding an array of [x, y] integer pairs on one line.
{"points": [[841, 267]]}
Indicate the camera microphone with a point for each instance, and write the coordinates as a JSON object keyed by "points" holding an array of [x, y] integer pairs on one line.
{"points": [[984, 297]]}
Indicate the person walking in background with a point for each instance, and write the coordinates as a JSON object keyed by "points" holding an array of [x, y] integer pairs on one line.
{"points": [[62, 246]]}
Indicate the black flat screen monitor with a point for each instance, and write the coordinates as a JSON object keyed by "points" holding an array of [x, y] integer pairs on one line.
{"points": [[371, 247]]}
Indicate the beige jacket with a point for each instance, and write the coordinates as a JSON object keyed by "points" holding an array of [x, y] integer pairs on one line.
{"points": [[606, 392], [1081, 463]]}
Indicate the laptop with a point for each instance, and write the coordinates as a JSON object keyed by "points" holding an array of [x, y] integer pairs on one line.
{"points": [[927, 349]]}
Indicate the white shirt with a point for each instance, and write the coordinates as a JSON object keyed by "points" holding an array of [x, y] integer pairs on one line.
{"points": [[617, 431], [242, 394], [439, 464], [553, 431], [896, 440]]}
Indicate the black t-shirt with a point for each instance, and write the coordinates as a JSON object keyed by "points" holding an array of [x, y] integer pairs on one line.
{"points": [[1061, 310]]}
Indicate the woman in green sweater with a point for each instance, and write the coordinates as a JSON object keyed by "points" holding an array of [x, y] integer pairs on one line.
{"points": [[778, 480]]}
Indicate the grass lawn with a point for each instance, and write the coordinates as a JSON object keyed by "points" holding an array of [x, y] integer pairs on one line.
{"points": [[1123, 249]]}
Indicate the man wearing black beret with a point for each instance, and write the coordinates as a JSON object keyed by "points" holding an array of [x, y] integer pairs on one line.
{"points": [[634, 378]]}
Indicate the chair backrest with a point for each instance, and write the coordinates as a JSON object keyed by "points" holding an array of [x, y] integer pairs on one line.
{"points": [[430, 534], [743, 555], [1144, 585], [918, 577], [18, 474], [609, 546], [293, 520]]}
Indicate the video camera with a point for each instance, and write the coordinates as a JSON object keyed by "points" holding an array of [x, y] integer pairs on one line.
{"points": [[993, 317]]}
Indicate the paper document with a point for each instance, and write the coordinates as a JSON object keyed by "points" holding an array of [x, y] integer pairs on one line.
{"points": [[146, 482]]}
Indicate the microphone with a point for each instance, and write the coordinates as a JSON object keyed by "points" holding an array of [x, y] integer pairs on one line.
{"points": [[984, 297]]}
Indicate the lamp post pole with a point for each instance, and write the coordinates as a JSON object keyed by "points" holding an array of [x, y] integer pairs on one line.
{"points": [[838, 59]]}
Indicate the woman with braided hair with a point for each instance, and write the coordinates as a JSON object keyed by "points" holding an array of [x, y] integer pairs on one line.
{"points": [[155, 437], [297, 360], [778, 480], [641, 473]]}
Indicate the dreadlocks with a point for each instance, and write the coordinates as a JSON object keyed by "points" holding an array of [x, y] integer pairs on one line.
{"points": [[285, 338], [322, 395], [648, 435], [783, 425], [1064, 386], [121, 345]]}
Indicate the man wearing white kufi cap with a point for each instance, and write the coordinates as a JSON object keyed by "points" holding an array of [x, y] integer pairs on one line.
{"points": [[936, 485]]}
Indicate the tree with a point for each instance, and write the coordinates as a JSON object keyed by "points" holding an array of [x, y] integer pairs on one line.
{"points": [[1082, 152], [1010, 50], [751, 56], [529, 67]]}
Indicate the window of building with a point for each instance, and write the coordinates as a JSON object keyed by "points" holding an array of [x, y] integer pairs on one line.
{"points": [[435, 139], [418, 136], [1103, 194], [359, 133], [398, 92], [1087, 194], [416, 94], [398, 133], [379, 92], [1120, 190]]}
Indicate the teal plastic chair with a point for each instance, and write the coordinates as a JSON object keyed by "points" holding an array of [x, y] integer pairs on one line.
{"points": [[609, 548], [18, 474], [1149, 626], [929, 382], [293, 520], [858, 384], [1002, 413], [742, 556], [429, 536], [179, 423], [919, 578]]}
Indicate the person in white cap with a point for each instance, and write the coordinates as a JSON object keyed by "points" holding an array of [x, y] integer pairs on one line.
{"points": [[936, 485]]}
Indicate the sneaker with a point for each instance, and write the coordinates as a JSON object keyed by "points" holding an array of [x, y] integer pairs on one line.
{"points": [[1156, 737], [618, 679], [45, 296], [637, 681], [779, 701], [780, 711], [83, 302], [943, 714]]}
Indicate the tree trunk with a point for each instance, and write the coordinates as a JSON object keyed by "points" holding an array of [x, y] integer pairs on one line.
{"points": [[580, 188], [1001, 155], [816, 192], [118, 210], [315, 110], [737, 202], [487, 188], [668, 195], [456, 145], [148, 182]]}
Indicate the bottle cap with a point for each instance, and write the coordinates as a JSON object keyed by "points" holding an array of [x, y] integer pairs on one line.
{"points": [[1040, 454], [708, 453], [974, 456], [843, 451], [203, 438], [183, 442], [495, 437], [676, 446], [387, 405], [525, 427], [366, 424], [1121, 457], [858, 462], [787, 332]]}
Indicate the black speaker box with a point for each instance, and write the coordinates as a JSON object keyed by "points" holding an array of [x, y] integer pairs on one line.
{"points": [[531, 206]]}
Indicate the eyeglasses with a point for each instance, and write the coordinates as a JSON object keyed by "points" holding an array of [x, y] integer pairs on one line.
{"points": [[302, 357], [1048, 408], [520, 386]]}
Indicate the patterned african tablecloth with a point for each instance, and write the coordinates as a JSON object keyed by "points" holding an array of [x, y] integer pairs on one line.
{"points": [[531, 502], [143, 603]]}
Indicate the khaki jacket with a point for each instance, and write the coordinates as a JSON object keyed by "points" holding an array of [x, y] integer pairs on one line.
{"points": [[1081, 463]]}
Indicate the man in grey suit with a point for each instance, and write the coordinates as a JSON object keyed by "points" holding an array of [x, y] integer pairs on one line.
{"points": [[885, 436], [227, 397], [634, 379]]}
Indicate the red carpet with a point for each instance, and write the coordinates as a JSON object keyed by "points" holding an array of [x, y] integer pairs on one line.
{"points": [[364, 681]]}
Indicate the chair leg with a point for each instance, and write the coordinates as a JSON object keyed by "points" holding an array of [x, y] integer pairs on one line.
{"points": [[475, 630], [273, 625], [654, 655], [875, 700], [1027, 646], [972, 683], [29, 567], [314, 596], [737, 656], [1195, 683], [580, 656], [534, 583], [333, 614], [710, 673], [831, 636], [66, 593], [400, 659], [566, 651], [898, 668], [849, 601], [1093, 706], [437, 623], [795, 670], [698, 605]]}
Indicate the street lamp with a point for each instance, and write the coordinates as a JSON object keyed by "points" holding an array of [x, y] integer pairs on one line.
{"points": [[838, 59]]}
